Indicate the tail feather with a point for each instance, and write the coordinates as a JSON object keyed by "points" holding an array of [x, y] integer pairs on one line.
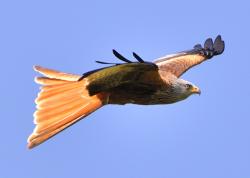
{"points": [[56, 74], [50, 105], [49, 81], [47, 112], [36, 140], [59, 119], [48, 117], [47, 96], [62, 101], [61, 87]]}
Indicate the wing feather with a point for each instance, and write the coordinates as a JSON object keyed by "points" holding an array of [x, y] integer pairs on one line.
{"points": [[179, 63]]}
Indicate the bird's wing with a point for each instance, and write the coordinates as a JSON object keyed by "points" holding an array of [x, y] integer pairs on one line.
{"points": [[179, 63], [112, 77]]}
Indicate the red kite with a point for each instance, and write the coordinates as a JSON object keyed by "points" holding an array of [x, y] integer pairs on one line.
{"points": [[66, 98]]}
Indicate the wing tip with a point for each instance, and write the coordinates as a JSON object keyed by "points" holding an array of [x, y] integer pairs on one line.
{"points": [[211, 48], [219, 45]]}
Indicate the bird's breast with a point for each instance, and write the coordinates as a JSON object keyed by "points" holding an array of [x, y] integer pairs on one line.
{"points": [[146, 95]]}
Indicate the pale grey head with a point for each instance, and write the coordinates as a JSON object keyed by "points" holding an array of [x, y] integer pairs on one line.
{"points": [[184, 89]]}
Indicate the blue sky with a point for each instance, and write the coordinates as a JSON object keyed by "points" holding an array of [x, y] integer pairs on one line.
{"points": [[204, 136]]}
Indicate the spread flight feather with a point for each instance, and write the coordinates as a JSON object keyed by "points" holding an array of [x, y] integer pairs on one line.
{"points": [[62, 101]]}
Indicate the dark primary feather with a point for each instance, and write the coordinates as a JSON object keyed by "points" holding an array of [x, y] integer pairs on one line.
{"points": [[208, 44], [211, 48], [139, 59], [119, 56], [101, 62], [219, 45]]}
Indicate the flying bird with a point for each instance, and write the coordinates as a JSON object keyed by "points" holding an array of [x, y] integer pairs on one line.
{"points": [[67, 98]]}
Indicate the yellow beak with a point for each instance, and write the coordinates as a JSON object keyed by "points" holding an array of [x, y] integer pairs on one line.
{"points": [[196, 90]]}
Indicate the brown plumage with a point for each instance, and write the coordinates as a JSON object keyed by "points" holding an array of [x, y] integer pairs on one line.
{"points": [[66, 98]]}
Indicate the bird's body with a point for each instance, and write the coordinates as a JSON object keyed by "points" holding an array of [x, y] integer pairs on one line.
{"points": [[66, 98], [127, 83], [145, 87]]}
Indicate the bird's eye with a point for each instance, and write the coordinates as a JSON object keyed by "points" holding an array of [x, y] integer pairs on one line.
{"points": [[188, 86]]}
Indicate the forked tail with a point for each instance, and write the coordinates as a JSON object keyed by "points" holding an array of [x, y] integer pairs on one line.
{"points": [[62, 101]]}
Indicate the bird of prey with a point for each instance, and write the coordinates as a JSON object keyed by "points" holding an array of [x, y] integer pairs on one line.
{"points": [[66, 98]]}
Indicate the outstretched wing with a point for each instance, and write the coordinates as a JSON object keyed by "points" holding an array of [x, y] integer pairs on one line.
{"points": [[115, 76], [179, 63]]}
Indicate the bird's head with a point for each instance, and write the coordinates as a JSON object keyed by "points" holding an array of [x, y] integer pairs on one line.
{"points": [[185, 88]]}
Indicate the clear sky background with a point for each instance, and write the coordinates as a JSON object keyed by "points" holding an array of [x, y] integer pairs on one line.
{"points": [[205, 136]]}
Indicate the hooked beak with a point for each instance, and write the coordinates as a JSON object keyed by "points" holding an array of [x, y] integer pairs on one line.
{"points": [[196, 90]]}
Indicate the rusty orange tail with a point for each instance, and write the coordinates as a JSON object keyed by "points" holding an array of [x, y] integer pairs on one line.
{"points": [[62, 101]]}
